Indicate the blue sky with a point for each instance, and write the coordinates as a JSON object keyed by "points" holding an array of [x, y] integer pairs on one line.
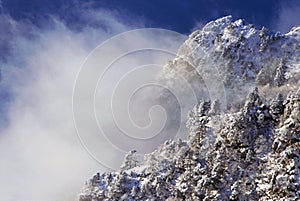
{"points": [[176, 15]]}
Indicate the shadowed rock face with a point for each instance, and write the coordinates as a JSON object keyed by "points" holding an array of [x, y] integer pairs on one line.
{"points": [[250, 151]]}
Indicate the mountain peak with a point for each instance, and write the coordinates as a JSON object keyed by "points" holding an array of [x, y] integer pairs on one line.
{"points": [[243, 136], [242, 55]]}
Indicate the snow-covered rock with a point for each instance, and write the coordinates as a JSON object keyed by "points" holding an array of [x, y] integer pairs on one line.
{"points": [[248, 149], [227, 58]]}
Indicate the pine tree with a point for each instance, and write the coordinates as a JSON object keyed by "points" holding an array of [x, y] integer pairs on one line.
{"points": [[253, 99], [215, 108], [276, 107], [130, 160], [279, 78]]}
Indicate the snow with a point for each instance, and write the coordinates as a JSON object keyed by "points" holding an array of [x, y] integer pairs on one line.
{"points": [[248, 150], [138, 169]]}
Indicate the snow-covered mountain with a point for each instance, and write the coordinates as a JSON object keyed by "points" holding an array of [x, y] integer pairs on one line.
{"points": [[241, 144], [227, 58]]}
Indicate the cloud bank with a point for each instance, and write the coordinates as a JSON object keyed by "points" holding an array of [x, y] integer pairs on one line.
{"points": [[41, 155]]}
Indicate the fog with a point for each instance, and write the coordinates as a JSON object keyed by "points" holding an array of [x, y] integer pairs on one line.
{"points": [[67, 111]]}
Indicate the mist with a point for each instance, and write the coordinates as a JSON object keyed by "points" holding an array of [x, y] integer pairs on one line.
{"points": [[41, 158], [67, 112], [288, 16]]}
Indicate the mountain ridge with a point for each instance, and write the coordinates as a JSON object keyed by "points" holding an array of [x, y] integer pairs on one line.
{"points": [[244, 148]]}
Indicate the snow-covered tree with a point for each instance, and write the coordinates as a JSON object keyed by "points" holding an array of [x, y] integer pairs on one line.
{"points": [[253, 151], [130, 160], [279, 78]]}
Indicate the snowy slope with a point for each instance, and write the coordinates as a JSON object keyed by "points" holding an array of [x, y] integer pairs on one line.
{"points": [[246, 148]]}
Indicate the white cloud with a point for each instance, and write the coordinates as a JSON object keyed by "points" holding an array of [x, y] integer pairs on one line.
{"points": [[38, 148], [41, 156]]}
